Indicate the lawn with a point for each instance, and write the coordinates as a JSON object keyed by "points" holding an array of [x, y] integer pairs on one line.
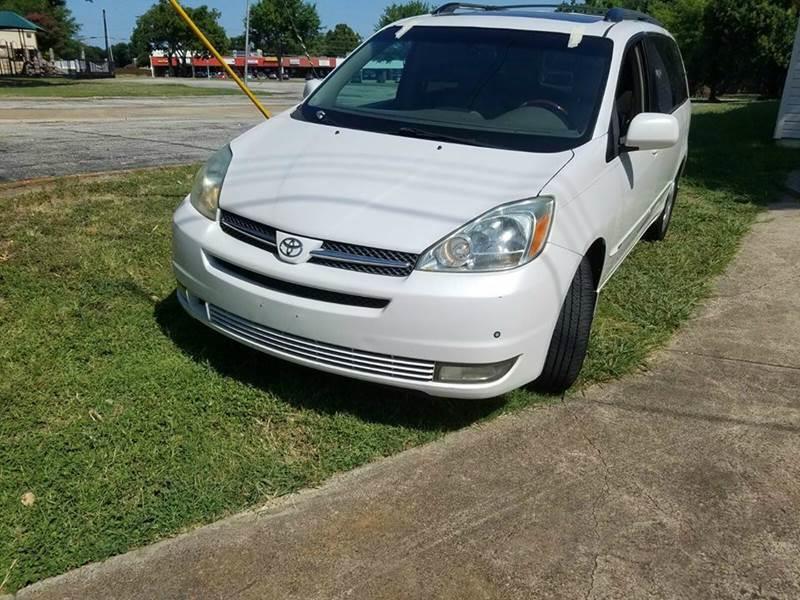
{"points": [[69, 88], [122, 421]]}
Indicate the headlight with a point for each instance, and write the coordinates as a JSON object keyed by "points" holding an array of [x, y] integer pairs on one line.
{"points": [[506, 237], [208, 183]]}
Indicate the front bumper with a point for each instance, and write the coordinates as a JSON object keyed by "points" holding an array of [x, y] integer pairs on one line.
{"points": [[430, 318]]}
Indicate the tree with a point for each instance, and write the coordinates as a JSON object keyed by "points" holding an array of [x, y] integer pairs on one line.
{"points": [[95, 53], [340, 41], [160, 28], [762, 33], [123, 54], [684, 19], [395, 12], [728, 45], [237, 42], [283, 27], [641, 5], [51, 15]]}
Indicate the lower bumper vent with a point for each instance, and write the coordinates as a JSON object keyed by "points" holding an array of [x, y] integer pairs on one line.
{"points": [[319, 352]]}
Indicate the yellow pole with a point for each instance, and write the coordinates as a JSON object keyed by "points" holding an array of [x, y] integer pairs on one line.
{"points": [[231, 73]]}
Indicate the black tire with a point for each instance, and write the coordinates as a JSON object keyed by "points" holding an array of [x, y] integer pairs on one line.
{"points": [[571, 336], [658, 230]]}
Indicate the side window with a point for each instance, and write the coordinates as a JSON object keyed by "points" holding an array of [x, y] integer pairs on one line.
{"points": [[677, 72], [631, 97], [665, 68]]}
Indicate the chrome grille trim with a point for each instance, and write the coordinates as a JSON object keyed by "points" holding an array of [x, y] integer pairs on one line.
{"points": [[320, 352], [366, 259], [250, 235], [339, 255], [253, 233], [369, 261]]}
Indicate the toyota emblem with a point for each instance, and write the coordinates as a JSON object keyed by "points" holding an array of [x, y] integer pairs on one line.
{"points": [[291, 247]]}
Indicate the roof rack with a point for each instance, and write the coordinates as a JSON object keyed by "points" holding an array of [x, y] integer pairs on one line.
{"points": [[616, 15], [451, 7], [613, 15]]}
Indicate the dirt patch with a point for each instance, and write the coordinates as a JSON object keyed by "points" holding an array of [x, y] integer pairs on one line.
{"points": [[5, 250], [38, 184]]}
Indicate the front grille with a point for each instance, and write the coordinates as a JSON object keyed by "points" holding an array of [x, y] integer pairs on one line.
{"points": [[252, 232], [395, 264], [295, 289], [339, 255], [351, 359]]}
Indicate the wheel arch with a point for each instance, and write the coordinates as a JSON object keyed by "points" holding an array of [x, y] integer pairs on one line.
{"points": [[597, 259], [682, 167]]}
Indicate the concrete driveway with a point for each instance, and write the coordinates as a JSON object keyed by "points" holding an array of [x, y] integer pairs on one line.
{"points": [[680, 482]]}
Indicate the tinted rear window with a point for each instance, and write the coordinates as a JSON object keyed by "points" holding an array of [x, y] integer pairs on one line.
{"points": [[668, 78]]}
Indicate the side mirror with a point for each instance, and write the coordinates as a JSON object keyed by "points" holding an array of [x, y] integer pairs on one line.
{"points": [[311, 85], [652, 131]]}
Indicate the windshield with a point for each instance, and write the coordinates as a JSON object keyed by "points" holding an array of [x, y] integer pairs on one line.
{"points": [[519, 90]]}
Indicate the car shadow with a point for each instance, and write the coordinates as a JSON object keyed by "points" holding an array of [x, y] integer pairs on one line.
{"points": [[309, 389], [720, 141]]}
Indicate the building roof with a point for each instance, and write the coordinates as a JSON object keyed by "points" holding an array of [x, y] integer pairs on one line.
{"points": [[11, 20]]}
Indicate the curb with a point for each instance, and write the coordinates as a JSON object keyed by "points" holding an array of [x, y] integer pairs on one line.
{"points": [[24, 185]]}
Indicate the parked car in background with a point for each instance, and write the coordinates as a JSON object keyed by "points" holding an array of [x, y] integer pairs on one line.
{"points": [[448, 232]]}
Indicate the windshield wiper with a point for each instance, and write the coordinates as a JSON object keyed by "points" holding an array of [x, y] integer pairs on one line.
{"points": [[424, 134]]}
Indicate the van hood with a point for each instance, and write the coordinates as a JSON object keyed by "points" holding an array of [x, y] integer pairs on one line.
{"points": [[372, 189]]}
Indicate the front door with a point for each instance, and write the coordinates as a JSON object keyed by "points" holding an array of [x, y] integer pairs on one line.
{"points": [[669, 95], [636, 170]]}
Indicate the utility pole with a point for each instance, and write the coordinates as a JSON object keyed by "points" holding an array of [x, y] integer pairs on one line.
{"points": [[246, 38], [109, 57]]}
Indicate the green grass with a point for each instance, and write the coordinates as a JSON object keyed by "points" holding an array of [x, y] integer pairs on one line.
{"points": [[128, 422], [69, 88]]}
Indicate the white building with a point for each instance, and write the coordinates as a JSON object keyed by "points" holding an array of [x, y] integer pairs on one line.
{"points": [[788, 126], [19, 48]]}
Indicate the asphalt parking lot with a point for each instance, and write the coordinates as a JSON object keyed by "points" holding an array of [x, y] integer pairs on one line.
{"points": [[72, 136]]}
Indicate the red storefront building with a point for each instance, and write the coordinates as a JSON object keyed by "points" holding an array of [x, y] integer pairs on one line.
{"points": [[262, 67]]}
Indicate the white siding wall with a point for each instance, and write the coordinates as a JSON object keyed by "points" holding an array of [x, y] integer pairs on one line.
{"points": [[788, 126], [11, 39], [24, 39]]}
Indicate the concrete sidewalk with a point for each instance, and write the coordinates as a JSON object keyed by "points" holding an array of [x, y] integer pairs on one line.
{"points": [[680, 482]]}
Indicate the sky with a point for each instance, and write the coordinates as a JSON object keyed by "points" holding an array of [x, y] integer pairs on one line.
{"points": [[361, 15]]}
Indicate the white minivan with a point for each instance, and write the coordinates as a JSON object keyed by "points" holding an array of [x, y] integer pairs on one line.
{"points": [[442, 211]]}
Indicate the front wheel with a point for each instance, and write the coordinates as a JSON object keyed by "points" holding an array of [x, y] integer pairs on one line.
{"points": [[571, 336]]}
